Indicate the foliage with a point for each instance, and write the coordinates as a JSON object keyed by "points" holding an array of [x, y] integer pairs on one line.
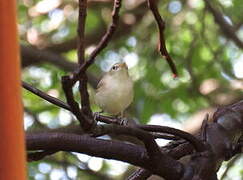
{"points": [[208, 62]]}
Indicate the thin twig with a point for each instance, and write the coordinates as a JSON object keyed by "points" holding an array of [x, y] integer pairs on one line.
{"points": [[161, 26], [165, 136], [68, 82], [225, 27], [85, 122], [103, 42], [45, 96], [198, 145], [148, 139], [84, 115], [81, 30], [83, 89], [75, 109]]}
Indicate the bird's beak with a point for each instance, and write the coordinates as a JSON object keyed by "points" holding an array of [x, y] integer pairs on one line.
{"points": [[124, 65]]}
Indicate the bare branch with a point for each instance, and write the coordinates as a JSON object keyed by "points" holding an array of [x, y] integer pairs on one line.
{"points": [[227, 29], [85, 122], [84, 115], [223, 136], [108, 149], [81, 30], [161, 26], [83, 89], [103, 43], [145, 137], [45, 96], [93, 37], [31, 55], [106, 119], [197, 144]]}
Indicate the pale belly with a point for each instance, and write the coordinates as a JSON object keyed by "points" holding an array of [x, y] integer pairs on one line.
{"points": [[116, 98]]}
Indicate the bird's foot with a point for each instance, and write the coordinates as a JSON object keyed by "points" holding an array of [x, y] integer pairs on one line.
{"points": [[122, 121]]}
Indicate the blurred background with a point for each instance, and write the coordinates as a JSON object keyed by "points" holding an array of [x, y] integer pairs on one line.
{"points": [[208, 58]]}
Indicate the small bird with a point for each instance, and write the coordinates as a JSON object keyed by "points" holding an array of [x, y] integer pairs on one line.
{"points": [[115, 90]]}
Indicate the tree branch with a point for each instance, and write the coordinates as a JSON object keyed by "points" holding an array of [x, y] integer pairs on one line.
{"points": [[222, 136], [226, 29], [103, 42], [30, 55], [197, 144], [108, 149], [161, 26], [105, 119], [45, 96], [83, 89], [92, 37], [85, 122]]}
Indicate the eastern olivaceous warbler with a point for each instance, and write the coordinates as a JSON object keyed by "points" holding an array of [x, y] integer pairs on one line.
{"points": [[115, 90]]}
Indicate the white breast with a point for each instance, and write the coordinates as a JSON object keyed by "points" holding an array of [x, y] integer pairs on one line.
{"points": [[115, 97]]}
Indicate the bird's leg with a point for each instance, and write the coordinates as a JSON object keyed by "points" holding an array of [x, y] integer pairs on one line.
{"points": [[122, 119], [97, 114]]}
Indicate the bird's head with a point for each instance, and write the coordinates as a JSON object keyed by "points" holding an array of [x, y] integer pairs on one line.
{"points": [[119, 68]]}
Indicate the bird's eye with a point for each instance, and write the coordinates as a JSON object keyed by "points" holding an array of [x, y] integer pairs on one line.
{"points": [[114, 68]]}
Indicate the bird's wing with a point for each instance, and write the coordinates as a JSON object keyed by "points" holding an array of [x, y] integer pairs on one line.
{"points": [[101, 82]]}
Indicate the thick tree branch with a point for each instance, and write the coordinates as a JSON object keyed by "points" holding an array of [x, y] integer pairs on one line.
{"points": [[222, 143], [223, 136], [133, 154], [157, 158], [176, 149]]}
